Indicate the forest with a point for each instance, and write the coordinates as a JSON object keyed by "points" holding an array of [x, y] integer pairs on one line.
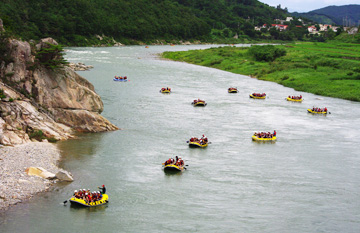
{"points": [[77, 22]]}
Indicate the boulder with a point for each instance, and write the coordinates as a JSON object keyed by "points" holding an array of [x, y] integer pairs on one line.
{"points": [[64, 175], [40, 172], [44, 43]]}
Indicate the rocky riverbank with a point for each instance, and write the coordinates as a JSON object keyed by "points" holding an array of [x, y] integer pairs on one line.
{"points": [[15, 184], [80, 66], [41, 98]]}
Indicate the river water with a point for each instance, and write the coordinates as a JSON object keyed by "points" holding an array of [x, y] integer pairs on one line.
{"points": [[308, 181]]}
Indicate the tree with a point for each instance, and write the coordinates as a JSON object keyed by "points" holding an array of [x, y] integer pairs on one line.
{"points": [[274, 32], [329, 34], [51, 56]]}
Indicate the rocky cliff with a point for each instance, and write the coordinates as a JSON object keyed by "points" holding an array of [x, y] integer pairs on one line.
{"points": [[35, 97]]}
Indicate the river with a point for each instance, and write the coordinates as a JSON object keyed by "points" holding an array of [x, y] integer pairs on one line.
{"points": [[308, 181]]}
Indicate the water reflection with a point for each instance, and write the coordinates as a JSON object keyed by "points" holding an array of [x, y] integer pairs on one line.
{"points": [[84, 145]]}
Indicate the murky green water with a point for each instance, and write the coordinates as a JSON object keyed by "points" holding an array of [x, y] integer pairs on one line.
{"points": [[308, 181]]}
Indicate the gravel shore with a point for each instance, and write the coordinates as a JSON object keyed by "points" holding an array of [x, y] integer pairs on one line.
{"points": [[15, 184]]}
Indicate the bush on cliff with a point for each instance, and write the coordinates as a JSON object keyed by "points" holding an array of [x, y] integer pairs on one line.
{"points": [[51, 56], [39, 136], [4, 47], [266, 52], [2, 94]]}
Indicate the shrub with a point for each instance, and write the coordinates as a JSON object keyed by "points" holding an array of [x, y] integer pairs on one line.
{"points": [[357, 69], [4, 47], [39, 135], [328, 63], [10, 74], [285, 77], [51, 56], [2, 94], [266, 52]]}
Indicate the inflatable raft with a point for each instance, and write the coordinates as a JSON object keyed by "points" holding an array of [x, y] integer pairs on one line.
{"points": [[232, 90], [256, 138], [314, 112], [120, 80], [197, 144], [199, 103], [257, 97], [173, 168], [294, 100], [81, 202]]}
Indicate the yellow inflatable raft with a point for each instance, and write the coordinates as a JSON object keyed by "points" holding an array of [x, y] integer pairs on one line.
{"points": [[81, 202], [199, 103], [173, 168], [314, 112], [255, 138], [165, 91], [294, 100], [197, 144], [257, 97], [232, 90]]}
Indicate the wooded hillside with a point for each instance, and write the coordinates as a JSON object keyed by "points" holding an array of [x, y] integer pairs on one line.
{"points": [[76, 22]]}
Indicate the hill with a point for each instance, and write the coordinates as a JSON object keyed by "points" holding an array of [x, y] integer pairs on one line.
{"points": [[347, 15], [77, 22]]}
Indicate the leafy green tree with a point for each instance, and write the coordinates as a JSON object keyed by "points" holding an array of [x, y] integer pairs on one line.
{"points": [[274, 33]]}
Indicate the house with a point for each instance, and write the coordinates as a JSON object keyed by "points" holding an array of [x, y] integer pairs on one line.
{"points": [[258, 28], [280, 21], [280, 27], [288, 19], [353, 31], [324, 27], [334, 28], [312, 30]]}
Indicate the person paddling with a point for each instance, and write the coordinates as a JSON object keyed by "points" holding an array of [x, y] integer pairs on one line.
{"points": [[102, 189]]}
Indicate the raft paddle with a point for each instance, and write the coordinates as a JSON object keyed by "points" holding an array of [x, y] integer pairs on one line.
{"points": [[65, 202]]}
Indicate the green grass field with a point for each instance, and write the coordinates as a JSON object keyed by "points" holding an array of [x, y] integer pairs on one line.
{"points": [[327, 69]]}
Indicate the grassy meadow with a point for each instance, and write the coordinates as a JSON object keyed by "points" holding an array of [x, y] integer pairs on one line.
{"points": [[327, 69]]}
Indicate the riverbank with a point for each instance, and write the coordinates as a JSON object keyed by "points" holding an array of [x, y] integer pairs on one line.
{"points": [[327, 69], [15, 184]]}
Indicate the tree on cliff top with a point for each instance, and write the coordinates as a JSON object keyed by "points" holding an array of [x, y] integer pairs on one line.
{"points": [[51, 56]]}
